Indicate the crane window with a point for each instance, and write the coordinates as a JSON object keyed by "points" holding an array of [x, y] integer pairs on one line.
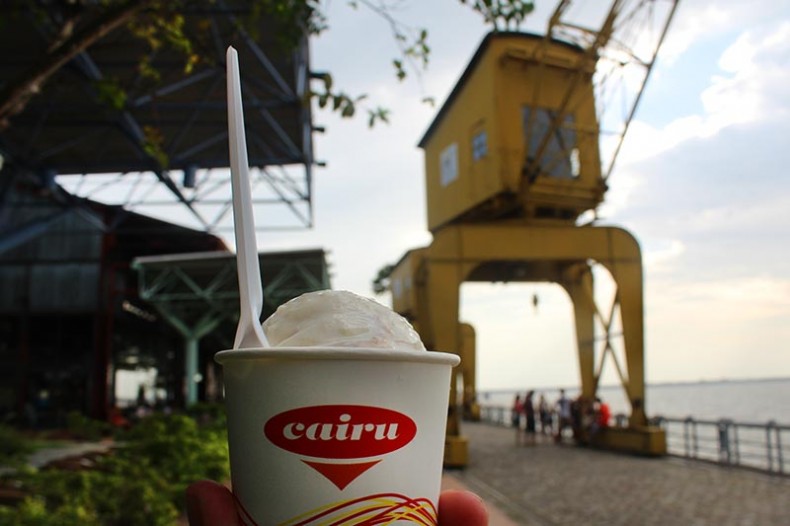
{"points": [[551, 146], [448, 164], [479, 145]]}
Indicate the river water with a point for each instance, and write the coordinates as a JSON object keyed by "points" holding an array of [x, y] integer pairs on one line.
{"points": [[752, 401]]}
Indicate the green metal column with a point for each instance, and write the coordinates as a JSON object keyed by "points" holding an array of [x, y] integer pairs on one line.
{"points": [[191, 361]]}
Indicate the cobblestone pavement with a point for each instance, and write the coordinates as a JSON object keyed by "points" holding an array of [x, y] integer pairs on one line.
{"points": [[550, 484]]}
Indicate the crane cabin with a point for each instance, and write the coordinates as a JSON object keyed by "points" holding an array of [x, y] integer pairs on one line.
{"points": [[517, 138]]}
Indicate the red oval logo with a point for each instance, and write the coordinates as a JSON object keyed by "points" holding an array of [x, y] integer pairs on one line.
{"points": [[340, 431]]}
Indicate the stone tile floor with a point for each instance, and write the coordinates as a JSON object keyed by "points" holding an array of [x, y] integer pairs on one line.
{"points": [[550, 484]]}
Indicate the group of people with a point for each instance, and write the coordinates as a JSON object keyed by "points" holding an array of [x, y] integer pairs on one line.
{"points": [[583, 417]]}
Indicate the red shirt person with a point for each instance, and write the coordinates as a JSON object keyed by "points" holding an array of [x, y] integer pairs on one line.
{"points": [[604, 414]]}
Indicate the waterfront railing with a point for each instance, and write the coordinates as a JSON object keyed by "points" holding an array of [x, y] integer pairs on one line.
{"points": [[760, 446]]}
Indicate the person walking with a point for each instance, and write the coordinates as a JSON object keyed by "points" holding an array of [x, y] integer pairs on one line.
{"points": [[563, 414], [544, 413], [529, 415], [515, 417]]}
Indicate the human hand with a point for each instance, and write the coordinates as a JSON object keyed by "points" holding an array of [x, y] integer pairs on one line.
{"points": [[212, 504]]}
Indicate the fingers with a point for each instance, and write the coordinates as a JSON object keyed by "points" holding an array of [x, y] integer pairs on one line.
{"points": [[211, 504], [461, 508]]}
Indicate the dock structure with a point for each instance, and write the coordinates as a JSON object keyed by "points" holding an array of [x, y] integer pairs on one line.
{"points": [[549, 484]]}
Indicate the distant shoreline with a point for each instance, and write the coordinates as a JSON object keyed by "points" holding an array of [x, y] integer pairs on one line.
{"points": [[656, 384]]}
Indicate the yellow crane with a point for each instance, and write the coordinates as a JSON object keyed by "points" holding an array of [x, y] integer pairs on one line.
{"points": [[516, 165]]}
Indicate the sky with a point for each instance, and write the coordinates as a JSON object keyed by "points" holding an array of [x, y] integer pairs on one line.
{"points": [[701, 181]]}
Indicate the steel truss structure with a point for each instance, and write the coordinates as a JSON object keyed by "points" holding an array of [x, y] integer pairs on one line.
{"points": [[196, 293], [105, 128]]}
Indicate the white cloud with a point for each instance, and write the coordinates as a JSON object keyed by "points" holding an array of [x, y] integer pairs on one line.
{"points": [[664, 258], [699, 21], [758, 64], [736, 300], [728, 328], [693, 22], [755, 71]]}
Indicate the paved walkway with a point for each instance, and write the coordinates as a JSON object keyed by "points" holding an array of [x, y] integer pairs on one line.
{"points": [[56, 452], [548, 485], [42, 457]]}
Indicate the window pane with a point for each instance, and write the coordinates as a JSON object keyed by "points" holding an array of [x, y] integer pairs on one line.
{"points": [[557, 158]]}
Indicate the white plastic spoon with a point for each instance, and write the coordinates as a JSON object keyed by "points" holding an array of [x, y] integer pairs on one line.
{"points": [[249, 333]]}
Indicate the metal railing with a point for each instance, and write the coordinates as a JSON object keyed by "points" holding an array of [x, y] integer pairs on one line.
{"points": [[498, 415], [764, 447], [746, 444]]}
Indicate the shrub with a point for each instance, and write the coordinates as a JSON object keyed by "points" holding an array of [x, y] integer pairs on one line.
{"points": [[13, 446], [82, 427], [179, 451], [141, 484], [34, 512], [210, 415], [122, 494]]}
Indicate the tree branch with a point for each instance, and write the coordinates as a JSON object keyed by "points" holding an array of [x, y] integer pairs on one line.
{"points": [[15, 95]]}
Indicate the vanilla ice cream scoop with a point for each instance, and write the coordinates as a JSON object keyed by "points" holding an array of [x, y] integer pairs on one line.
{"points": [[337, 318]]}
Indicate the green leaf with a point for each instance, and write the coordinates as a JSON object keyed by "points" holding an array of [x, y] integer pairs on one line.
{"points": [[399, 71], [348, 110], [110, 92], [328, 81]]}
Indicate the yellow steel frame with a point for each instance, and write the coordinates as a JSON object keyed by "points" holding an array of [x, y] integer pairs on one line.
{"points": [[499, 212], [561, 254]]}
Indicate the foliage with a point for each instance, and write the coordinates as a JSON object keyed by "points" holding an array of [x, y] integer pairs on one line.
{"points": [[141, 483], [153, 145], [13, 446], [509, 13], [81, 427], [163, 27], [209, 415], [34, 512], [293, 18], [123, 492], [382, 279], [179, 450], [111, 93]]}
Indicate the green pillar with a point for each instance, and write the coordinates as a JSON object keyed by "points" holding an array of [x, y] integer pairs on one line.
{"points": [[191, 361]]}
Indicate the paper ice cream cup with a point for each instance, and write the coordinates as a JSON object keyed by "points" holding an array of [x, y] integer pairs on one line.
{"points": [[337, 436]]}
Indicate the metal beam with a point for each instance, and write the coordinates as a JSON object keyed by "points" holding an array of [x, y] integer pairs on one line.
{"points": [[22, 234]]}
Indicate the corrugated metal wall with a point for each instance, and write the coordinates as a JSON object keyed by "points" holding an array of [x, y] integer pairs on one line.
{"points": [[64, 288], [54, 271]]}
